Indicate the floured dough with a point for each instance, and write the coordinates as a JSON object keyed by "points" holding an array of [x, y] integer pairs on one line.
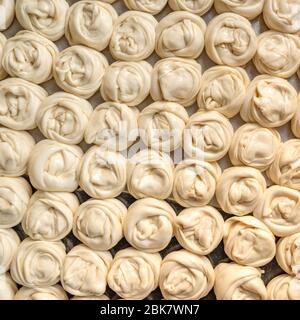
{"points": [[9, 242], [113, 126], [134, 274], [247, 241], [162, 125], [239, 189], [185, 276], [283, 16], [278, 54], [38, 263], [84, 271], [20, 101], [195, 182], [148, 225], [180, 34], [249, 9], [230, 40], [64, 117], [150, 6], [269, 101], [3, 73], [208, 136], [133, 37], [198, 7], [29, 56], [284, 287], [8, 14], [254, 146], [55, 292], [46, 17], [177, 80], [235, 282], [99, 223], [54, 166], [90, 23], [15, 149], [223, 89], [127, 82], [102, 173], [49, 216], [285, 169], [199, 229], [79, 70], [150, 174], [288, 254], [14, 197], [279, 209], [8, 288]]}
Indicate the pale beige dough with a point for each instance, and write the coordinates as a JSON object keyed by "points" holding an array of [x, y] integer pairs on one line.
{"points": [[223, 89], [269, 101], [102, 173], [162, 125], [239, 189], [278, 54], [127, 82], [150, 174], [63, 117], [38, 263], [284, 287], [199, 229], [176, 80], [230, 40], [9, 242], [3, 73], [55, 292], [180, 34], [49, 215], [249, 9], [80, 70], [235, 282], [279, 209], [247, 241], [149, 6], [133, 37], [29, 56], [185, 276], [8, 14], [15, 150], [54, 166], [113, 126], [14, 198], [254, 146], [99, 223], [8, 287], [90, 23], [295, 124], [20, 101], [102, 297], [195, 182], [148, 225], [208, 136], [84, 271], [198, 7], [46, 17], [134, 274]]}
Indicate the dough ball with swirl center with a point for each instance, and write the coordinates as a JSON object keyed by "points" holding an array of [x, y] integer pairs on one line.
{"points": [[148, 225], [46, 17], [134, 274], [284, 287], [9, 242], [199, 229], [29, 56], [180, 34], [102, 173], [185, 276], [198, 7], [149, 6], [55, 292], [99, 223], [79, 70], [90, 23], [64, 117], [49, 216], [239, 189]]}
